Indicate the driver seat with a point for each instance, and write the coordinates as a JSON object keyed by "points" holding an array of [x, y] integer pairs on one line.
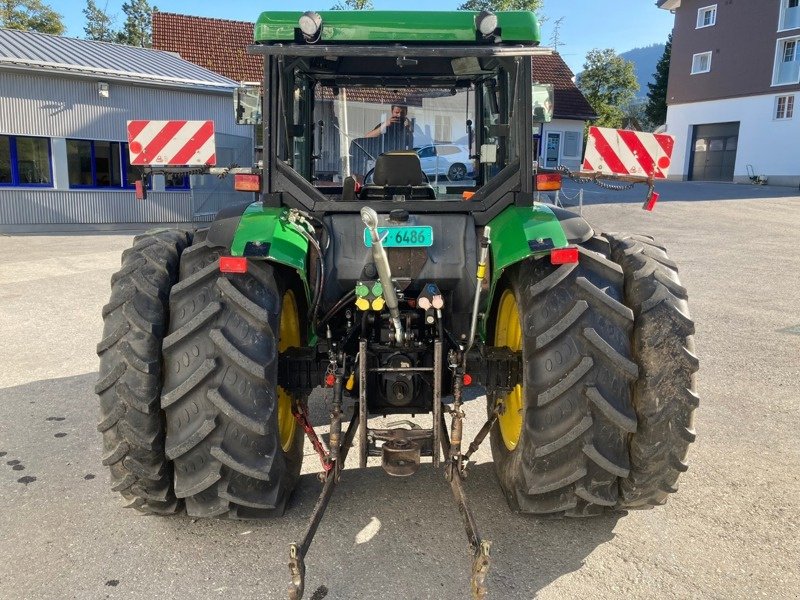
{"points": [[398, 173]]}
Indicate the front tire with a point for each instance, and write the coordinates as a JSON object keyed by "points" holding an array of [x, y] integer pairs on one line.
{"points": [[230, 432], [457, 172]]}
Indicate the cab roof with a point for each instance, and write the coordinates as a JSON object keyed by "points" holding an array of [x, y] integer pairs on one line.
{"points": [[402, 27]]}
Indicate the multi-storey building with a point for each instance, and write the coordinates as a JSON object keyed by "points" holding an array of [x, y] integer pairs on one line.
{"points": [[734, 89]]}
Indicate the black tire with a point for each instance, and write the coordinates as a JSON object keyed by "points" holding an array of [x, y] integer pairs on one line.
{"points": [[220, 393], [456, 172], [577, 413], [664, 394], [129, 385]]}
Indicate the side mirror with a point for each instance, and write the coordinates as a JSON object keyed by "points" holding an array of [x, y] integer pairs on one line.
{"points": [[247, 105], [543, 102]]}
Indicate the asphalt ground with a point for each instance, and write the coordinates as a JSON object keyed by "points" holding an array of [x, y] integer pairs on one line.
{"points": [[732, 531]]}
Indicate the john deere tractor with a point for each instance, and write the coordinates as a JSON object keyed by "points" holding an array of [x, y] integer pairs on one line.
{"points": [[361, 263]]}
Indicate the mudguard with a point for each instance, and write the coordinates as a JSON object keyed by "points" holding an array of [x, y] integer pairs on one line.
{"points": [[255, 230], [519, 232]]}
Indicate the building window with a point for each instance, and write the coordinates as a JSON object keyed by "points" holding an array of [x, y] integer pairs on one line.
{"points": [[25, 161], [100, 164], [701, 63], [787, 62], [784, 107], [707, 16], [790, 15]]}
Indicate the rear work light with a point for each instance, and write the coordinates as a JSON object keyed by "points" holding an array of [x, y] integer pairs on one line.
{"points": [[233, 264], [246, 182], [548, 182], [562, 256]]}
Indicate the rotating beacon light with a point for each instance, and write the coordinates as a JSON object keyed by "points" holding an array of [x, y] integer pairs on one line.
{"points": [[310, 26], [486, 23]]}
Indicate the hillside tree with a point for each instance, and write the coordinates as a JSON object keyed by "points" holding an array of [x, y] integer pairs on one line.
{"points": [[99, 25], [30, 15], [656, 108], [609, 83], [138, 27]]}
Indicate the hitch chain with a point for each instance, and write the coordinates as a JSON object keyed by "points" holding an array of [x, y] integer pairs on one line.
{"points": [[300, 413]]}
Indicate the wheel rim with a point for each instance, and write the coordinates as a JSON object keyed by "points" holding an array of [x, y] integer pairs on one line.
{"points": [[289, 332], [457, 172], [508, 332]]}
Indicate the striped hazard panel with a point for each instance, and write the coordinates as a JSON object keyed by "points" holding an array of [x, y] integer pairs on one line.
{"points": [[171, 143], [625, 152]]}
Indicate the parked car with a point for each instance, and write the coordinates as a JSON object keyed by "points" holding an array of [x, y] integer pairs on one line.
{"points": [[445, 160]]}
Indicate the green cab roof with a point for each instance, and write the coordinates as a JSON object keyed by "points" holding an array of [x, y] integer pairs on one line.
{"points": [[413, 27]]}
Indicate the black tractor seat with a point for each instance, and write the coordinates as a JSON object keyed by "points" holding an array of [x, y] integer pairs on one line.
{"points": [[398, 173]]}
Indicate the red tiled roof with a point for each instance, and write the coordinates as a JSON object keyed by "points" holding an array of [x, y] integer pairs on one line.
{"points": [[570, 103], [220, 45]]}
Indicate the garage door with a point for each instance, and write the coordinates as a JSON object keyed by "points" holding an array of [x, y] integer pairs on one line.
{"points": [[714, 152]]}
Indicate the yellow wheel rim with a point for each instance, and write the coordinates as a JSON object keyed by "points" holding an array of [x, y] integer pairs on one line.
{"points": [[289, 337], [508, 332]]}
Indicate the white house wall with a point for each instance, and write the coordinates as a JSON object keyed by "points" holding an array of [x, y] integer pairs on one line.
{"points": [[771, 146]]}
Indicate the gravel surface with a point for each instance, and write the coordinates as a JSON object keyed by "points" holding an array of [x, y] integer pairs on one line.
{"points": [[732, 531]]}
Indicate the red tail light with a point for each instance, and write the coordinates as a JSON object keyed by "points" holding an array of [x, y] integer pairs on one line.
{"points": [[548, 182], [233, 264], [246, 182], [650, 203], [141, 190], [561, 256]]}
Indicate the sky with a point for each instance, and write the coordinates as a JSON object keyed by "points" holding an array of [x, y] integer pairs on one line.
{"points": [[618, 24]]}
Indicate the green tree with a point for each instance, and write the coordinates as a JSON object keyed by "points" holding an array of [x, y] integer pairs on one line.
{"points": [[138, 27], [30, 15], [353, 5], [99, 25], [656, 109], [609, 83], [502, 5]]}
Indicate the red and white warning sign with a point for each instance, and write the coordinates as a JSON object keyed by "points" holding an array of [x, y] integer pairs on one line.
{"points": [[625, 152], [171, 143]]}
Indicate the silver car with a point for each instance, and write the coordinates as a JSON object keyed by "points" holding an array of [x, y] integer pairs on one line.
{"points": [[445, 160]]}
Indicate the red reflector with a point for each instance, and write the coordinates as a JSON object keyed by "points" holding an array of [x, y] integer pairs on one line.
{"points": [[650, 203], [246, 182], [546, 182], [561, 256], [467, 379], [141, 191], [330, 379], [233, 264]]}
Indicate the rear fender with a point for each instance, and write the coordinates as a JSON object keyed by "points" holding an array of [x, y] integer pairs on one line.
{"points": [[262, 232], [522, 232]]}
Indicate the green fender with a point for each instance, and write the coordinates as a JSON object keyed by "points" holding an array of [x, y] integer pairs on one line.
{"points": [[264, 232], [520, 232]]}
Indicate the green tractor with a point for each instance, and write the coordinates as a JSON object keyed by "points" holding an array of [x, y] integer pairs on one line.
{"points": [[396, 281]]}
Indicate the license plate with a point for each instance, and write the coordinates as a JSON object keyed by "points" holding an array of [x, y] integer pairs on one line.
{"points": [[402, 237]]}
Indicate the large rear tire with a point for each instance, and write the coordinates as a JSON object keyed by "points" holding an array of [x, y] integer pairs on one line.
{"points": [[561, 444], [236, 448], [664, 394], [604, 415], [129, 385]]}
